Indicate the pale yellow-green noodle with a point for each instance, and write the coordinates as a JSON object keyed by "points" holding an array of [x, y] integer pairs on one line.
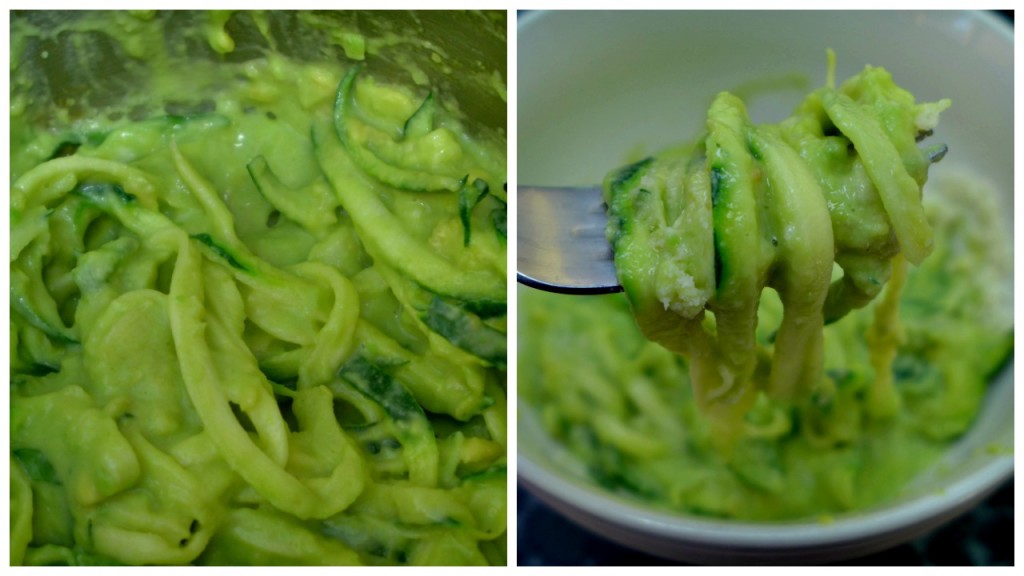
{"points": [[900, 383], [783, 348], [699, 231], [230, 343]]}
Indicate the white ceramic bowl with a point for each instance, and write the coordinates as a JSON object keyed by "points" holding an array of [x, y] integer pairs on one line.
{"points": [[596, 87]]}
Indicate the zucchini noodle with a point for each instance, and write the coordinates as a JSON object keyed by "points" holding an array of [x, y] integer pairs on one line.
{"points": [[701, 392], [901, 382], [699, 231], [238, 338]]}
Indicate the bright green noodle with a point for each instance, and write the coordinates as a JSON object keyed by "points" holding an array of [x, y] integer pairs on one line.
{"points": [[241, 336], [701, 391], [625, 405], [839, 182]]}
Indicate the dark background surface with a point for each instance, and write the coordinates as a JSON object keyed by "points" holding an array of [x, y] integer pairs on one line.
{"points": [[982, 537]]}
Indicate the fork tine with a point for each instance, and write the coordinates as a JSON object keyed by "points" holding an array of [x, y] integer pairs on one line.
{"points": [[936, 153]]}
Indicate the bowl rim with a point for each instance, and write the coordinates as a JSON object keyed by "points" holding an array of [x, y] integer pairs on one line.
{"points": [[645, 518]]}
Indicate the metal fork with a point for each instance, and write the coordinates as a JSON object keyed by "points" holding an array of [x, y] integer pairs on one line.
{"points": [[561, 241]]}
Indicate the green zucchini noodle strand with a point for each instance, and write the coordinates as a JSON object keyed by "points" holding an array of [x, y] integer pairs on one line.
{"points": [[181, 393], [903, 378], [782, 349], [699, 231]]}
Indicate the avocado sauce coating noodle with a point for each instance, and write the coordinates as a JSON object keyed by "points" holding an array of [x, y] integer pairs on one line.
{"points": [[700, 230], [624, 407], [270, 332]]}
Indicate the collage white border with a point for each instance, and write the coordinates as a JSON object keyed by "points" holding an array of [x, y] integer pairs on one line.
{"points": [[511, 81]]}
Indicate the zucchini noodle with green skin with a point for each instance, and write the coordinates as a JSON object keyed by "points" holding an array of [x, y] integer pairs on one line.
{"points": [[699, 231], [624, 408], [273, 333]]}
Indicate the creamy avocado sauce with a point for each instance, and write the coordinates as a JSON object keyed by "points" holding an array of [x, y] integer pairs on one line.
{"points": [[247, 324], [699, 231], [773, 356], [625, 405]]}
